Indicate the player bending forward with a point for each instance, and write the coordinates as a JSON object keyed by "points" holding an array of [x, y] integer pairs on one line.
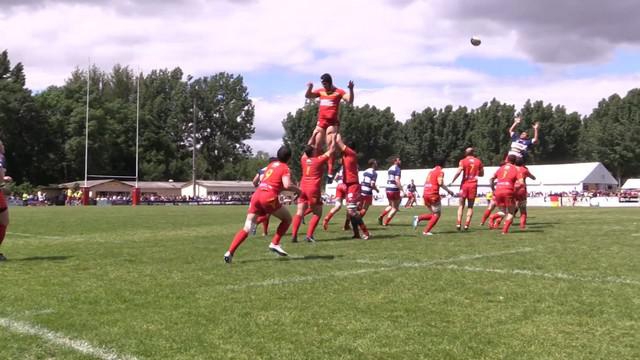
{"points": [[310, 197], [431, 196], [264, 201], [503, 184], [350, 172]]}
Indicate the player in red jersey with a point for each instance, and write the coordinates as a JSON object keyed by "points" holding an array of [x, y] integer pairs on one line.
{"points": [[521, 191], [264, 220], [350, 179], [265, 201], [4, 208], [328, 125], [431, 196], [503, 184], [341, 194], [310, 184], [471, 168]]}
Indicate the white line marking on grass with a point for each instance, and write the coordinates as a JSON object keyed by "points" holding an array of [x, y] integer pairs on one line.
{"points": [[38, 312], [59, 339], [561, 276], [35, 235], [435, 262], [391, 266], [635, 234]]}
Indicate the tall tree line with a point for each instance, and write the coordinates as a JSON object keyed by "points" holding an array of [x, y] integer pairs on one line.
{"points": [[44, 133]]}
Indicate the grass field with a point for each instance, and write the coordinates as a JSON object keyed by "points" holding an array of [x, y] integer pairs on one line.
{"points": [[150, 283]]}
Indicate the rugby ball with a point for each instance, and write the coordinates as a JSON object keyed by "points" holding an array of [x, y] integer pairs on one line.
{"points": [[475, 41]]}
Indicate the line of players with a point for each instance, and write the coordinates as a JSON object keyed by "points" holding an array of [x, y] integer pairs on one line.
{"points": [[506, 182]]}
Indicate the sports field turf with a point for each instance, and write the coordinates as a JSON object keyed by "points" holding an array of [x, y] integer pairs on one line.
{"points": [[150, 283]]}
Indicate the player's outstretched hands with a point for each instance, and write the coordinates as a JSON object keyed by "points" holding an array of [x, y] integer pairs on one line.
{"points": [[517, 120], [536, 125], [7, 178], [350, 85]]}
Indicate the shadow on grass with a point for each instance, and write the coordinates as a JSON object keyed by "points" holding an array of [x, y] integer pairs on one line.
{"points": [[293, 258], [374, 236], [43, 258]]}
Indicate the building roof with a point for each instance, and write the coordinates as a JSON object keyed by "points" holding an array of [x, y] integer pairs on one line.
{"points": [[222, 185], [631, 184], [156, 184]]}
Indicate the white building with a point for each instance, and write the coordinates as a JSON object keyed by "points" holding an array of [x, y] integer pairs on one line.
{"points": [[558, 178]]}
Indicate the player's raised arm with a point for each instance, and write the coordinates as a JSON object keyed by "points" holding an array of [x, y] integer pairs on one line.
{"points": [[512, 129], [535, 132], [256, 180], [349, 97], [310, 94]]}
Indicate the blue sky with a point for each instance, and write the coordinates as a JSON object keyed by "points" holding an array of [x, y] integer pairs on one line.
{"points": [[406, 54]]}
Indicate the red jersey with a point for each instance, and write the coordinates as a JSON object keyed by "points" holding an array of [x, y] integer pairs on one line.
{"points": [[471, 167], [523, 171], [312, 170], [329, 103], [507, 176], [431, 185], [273, 175], [349, 166]]}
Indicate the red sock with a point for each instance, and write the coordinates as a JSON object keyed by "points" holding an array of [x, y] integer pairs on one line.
{"points": [[507, 224], [237, 240], [282, 229], [308, 211], [386, 222], [297, 219], [312, 225], [363, 212], [432, 222], [485, 216], [364, 229], [523, 221], [423, 217], [384, 213], [329, 216], [3, 232]]}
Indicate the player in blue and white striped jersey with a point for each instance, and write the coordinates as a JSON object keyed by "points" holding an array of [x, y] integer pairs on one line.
{"points": [[368, 186], [394, 192]]}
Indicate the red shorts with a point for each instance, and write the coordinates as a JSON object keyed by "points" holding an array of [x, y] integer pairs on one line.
{"points": [[393, 195], [310, 196], [264, 203], [353, 193], [504, 199], [341, 191], [469, 190], [431, 199], [521, 194], [325, 123], [366, 200], [411, 195], [3, 201]]}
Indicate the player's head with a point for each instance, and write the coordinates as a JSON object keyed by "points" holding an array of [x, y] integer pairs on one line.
{"points": [[396, 160], [412, 181], [469, 151], [308, 150], [524, 135], [511, 159], [373, 163], [326, 80], [519, 161], [440, 160], [284, 154]]}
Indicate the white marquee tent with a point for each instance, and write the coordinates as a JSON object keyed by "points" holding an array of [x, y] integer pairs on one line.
{"points": [[558, 178], [631, 184]]}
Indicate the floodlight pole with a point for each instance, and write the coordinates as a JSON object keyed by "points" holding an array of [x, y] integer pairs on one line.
{"points": [[86, 128], [193, 154]]}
